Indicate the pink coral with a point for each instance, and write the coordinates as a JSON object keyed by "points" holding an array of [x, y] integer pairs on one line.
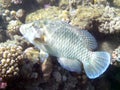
{"points": [[2, 84]]}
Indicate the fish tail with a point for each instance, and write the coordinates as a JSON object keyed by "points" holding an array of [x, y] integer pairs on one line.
{"points": [[97, 64]]}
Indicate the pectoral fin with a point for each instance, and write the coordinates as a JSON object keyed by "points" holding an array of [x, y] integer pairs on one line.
{"points": [[70, 65], [43, 56]]}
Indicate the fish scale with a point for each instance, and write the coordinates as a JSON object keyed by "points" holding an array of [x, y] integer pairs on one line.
{"points": [[69, 48]]}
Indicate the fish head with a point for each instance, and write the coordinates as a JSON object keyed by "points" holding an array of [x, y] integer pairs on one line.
{"points": [[32, 31]]}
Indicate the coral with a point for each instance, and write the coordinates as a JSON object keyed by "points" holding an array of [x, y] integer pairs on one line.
{"points": [[5, 3], [8, 3], [20, 61], [64, 3], [20, 13], [32, 54], [109, 21], [85, 15], [49, 13], [104, 2], [16, 1], [20, 41], [116, 54], [9, 15], [10, 55], [13, 28], [43, 2], [116, 3], [77, 17]]}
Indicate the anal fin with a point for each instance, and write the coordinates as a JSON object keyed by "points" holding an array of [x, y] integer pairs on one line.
{"points": [[70, 65]]}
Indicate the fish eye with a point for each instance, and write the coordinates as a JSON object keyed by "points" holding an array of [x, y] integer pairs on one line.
{"points": [[35, 25]]}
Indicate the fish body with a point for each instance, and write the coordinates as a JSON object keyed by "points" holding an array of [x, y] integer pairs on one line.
{"points": [[72, 46]]}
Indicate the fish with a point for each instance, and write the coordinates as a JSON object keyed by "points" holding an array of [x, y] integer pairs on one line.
{"points": [[74, 48]]}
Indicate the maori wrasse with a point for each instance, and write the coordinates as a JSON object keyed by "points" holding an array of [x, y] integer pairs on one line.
{"points": [[72, 47]]}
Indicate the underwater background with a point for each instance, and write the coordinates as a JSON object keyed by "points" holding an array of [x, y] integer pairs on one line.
{"points": [[20, 66]]}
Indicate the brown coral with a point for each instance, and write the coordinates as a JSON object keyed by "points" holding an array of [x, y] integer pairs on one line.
{"points": [[13, 28], [10, 55]]}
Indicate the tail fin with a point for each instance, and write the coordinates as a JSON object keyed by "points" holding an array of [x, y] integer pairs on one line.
{"points": [[97, 64]]}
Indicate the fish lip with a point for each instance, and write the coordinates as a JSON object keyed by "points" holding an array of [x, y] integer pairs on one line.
{"points": [[24, 28], [20, 28]]}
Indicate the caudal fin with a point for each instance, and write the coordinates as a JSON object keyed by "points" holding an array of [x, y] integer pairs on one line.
{"points": [[97, 64]]}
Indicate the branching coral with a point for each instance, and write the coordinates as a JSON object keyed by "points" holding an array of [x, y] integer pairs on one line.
{"points": [[10, 55], [15, 60], [13, 28], [109, 21]]}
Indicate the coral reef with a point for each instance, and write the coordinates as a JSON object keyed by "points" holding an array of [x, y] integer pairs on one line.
{"points": [[84, 20], [13, 28], [10, 55], [43, 2], [109, 21], [8, 3], [116, 3], [9, 15], [48, 13], [32, 54], [107, 17], [19, 58], [5, 3], [16, 1], [116, 54], [77, 17]]}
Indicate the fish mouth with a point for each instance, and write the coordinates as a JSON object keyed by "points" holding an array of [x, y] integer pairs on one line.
{"points": [[22, 29], [31, 31]]}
